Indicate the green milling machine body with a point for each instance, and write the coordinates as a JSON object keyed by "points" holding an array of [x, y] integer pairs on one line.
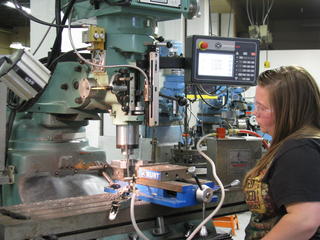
{"points": [[48, 139]]}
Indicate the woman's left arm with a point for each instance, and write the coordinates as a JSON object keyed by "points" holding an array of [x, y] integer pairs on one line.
{"points": [[300, 223]]}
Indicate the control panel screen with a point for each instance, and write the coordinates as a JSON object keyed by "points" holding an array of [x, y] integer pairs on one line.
{"points": [[215, 64], [221, 61]]}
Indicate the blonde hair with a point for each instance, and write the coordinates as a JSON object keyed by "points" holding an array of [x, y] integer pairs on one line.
{"points": [[295, 100]]}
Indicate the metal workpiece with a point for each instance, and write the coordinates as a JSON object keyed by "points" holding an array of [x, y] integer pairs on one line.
{"points": [[119, 168]]}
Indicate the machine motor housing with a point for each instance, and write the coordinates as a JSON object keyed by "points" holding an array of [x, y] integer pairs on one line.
{"points": [[24, 74]]}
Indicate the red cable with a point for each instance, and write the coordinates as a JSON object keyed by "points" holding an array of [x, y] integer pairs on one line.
{"points": [[264, 142]]}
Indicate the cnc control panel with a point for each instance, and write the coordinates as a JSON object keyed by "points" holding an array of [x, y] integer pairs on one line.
{"points": [[222, 61]]}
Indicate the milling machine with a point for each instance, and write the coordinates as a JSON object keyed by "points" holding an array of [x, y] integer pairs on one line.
{"points": [[49, 166], [47, 138]]}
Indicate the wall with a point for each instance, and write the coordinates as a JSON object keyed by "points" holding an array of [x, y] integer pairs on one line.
{"points": [[295, 34], [5, 40], [18, 34], [309, 59], [43, 10]]}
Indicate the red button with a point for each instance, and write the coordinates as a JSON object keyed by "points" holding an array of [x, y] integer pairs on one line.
{"points": [[253, 54], [203, 45]]}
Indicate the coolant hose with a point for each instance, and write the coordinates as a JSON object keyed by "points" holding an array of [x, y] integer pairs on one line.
{"points": [[216, 178], [132, 217]]}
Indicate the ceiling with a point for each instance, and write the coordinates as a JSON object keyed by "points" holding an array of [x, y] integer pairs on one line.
{"points": [[294, 24], [291, 9], [303, 14], [10, 18], [282, 9]]}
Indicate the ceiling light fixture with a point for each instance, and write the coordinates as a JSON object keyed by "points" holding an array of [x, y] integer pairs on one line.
{"points": [[18, 45]]}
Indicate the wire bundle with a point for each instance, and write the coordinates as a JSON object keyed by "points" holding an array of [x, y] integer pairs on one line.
{"points": [[266, 8]]}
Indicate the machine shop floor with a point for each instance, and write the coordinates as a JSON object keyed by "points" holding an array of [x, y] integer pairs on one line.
{"points": [[243, 219]]}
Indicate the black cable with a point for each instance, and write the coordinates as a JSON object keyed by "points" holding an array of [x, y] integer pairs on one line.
{"points": [[46, 34], [64, 54], [32, 18], [230, 18], [217, 88], [43, 38], [226, 98], [214, 107], [56, 49], [14, 102], [251, 12], [8, 60], [58, 22], [213, 93], [257, 13], [210, 19], [9, 127]]}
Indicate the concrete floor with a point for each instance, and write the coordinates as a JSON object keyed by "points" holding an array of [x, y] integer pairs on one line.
{"points": [[243, 219]]}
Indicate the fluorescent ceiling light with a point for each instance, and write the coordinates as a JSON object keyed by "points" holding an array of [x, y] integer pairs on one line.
{"points": [[11, 5]]}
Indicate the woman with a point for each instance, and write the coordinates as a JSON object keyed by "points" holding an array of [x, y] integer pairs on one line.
{"points": [[283, 189]]}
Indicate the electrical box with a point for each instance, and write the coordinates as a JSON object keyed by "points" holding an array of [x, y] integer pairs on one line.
{"points": [[221, 61]]}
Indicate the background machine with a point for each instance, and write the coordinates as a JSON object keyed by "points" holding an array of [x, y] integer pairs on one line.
{"points": [[61, 181]]}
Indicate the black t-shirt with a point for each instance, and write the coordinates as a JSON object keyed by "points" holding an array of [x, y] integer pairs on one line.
{"points": [[292, 178], [295, 172]]}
